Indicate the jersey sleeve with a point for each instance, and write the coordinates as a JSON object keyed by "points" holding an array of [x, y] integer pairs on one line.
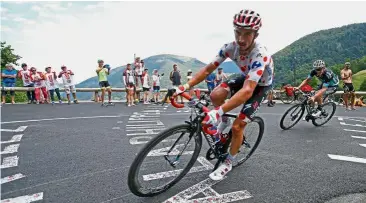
{"points": [[312, 74], [226, 51], [256, 69]]}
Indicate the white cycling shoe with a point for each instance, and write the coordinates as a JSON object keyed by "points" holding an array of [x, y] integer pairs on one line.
{"points": [[222, 170]]}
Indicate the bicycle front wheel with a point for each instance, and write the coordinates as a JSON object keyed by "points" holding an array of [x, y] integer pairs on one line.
{"points": [[166, 163], [326, 114], [295, 113]]}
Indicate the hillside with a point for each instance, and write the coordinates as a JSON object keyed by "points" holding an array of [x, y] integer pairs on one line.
{"points": [[334, 46]]}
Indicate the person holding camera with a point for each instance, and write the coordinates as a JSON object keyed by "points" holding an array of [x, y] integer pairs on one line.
{"points": [[103, 72]]}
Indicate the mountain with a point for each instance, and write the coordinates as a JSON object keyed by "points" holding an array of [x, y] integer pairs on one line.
{"points": [[334, 46]]}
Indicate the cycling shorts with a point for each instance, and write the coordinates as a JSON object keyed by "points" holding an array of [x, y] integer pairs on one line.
{"points": [[156, 88], [104, 84], [234, 83], [348, 87]]}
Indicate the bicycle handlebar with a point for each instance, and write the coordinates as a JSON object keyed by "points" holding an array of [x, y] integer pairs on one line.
{"points": [[200, 106]]}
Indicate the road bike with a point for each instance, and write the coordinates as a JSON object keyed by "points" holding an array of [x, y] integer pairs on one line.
{"points": [[297, 111], [174, 156]]}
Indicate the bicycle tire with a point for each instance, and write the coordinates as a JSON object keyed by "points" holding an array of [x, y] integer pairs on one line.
{"points": [[334, 109], [260, 121], [291, 98], [298, 119], [134, 186]]}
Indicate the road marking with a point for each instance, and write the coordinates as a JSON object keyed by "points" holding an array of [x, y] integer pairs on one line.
{"points": [[355, 130], [347, 158], [145, 130], [152, 111], [143, 119], [116, 128], [15, 138], [163, 151], [143, 116], [355, 125], [363, 145], [20, 129], [52, 119], [205, 186], [136, 140], [359, 137], [10, 149], [206, 165], [340, 118], [9, 162], [149, 133], [149, 127], [145, 125], [156, 121], [355, 120], [11, 178], [120, 122], [24, 199]]}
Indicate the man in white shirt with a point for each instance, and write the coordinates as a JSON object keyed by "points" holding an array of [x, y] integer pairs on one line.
{"points": [[52, 85], [68, 80], [145, 85], [156, 84], [129, 82]]}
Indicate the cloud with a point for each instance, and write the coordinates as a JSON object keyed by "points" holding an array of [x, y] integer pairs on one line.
{"points": [[69, 4], [6, 29], [3, 10], [36, 8], [54, 6], [25, 21]]}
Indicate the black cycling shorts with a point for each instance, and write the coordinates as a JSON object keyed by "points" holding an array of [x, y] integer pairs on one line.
{"points": [[234, 83], [348, 87], [145, 89], [104, 84]]}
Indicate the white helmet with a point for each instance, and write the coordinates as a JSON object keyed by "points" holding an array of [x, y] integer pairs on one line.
{"points": [[189, 71], [248, 19], [318, 64]]}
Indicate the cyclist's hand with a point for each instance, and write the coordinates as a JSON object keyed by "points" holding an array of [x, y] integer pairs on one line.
{"points": [[296, 88], [181, 88], [312, 99], [213, 117]]}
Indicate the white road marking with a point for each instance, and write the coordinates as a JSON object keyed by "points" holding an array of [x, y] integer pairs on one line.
{"points": [[340, 118], [15, 138], [156, 121], [137, 140], [355, 120], [10, 149], [355, 130], [151, 111], [120, 122], [148, 127], [206, 165], [355, 125], [143, 119], [116, 128], [143, 116], [206, 185], [163, 151], [9, 162], [12, 178], [146, 130], [20, 129], [363, 145], [145, 125], [24, 199], [150, 133], [52, 119], [347, 158], [359, 137]]}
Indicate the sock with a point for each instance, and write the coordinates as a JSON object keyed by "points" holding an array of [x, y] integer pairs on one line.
{"points": [[230, 157]]}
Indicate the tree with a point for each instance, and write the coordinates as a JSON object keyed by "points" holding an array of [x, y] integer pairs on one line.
{"points": [[8, 56], [363, 85]]}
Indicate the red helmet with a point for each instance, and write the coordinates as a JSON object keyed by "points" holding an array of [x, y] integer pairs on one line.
{"points": [[248, 19]]}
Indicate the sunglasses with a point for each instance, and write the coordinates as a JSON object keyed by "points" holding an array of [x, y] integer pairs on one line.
{"points": [[318, 69]]}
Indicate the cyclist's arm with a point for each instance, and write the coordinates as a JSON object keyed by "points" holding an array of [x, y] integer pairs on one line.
{"points": [[306, 81]]}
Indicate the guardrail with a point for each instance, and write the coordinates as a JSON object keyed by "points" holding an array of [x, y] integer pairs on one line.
{"points": [[23, 89]]}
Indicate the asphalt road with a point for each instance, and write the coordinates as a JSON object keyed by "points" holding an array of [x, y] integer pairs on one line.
{"points": [[82, 153]]}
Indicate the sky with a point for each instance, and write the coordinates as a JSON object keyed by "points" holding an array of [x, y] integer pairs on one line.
{"points": [[77, 34]]}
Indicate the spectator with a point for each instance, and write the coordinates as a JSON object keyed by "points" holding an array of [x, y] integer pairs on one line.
{"points": [[8, 78], [68, 81], [103, 72], [38, 78], [175, 77], [156, 85], [52, 85], [189, 76], [221, 76], [349, 90], [210, 80], [145, 85], [129, 82], [138, 76], [271, 103], [24, 75]]}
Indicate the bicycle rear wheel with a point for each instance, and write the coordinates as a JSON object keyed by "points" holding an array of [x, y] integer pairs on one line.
{"points": [[286, 99], [156, 159], [327, 115], [296, 112]]}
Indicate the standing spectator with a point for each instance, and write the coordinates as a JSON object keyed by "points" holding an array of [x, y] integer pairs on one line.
{"points": [[38, 78], [103, 72], [349, 90], [156, 85], [175, 77], [68, 81], [8, 79], [189, 76], [129, 82], [210, 80], [271, 103], [52, 85], [145, 85], [24, 75], [221, 76], [138, 76]]}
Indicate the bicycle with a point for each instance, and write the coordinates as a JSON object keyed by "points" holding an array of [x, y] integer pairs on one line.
{"points": [[309, 109], [194, 131]]}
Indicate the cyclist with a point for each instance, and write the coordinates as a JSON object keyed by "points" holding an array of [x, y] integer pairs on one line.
{"points": [[103, 71], [329, 84], [349, 90], [249, 88]]}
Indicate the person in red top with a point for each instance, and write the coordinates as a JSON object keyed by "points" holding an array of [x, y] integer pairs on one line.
{"points": [[24, 75], [39, 84]]}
